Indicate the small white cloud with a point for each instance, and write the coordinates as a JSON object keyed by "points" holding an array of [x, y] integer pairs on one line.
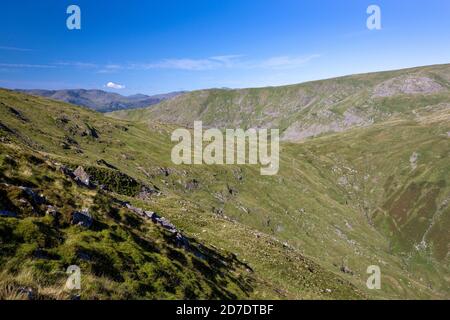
{"points": [[229, 61], [76, 64], [14, 49], [287, 62], [211, 63], [25, 65], [113, 85]]}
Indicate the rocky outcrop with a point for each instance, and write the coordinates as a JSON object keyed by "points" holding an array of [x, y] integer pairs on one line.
{"points": [[300, 131], [36, 199], [409, 84], [82, 218], [180, 239], [81, 176], [147, 192]]}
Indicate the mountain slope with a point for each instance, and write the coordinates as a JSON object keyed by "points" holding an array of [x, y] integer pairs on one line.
{"points": [[102, 101], [309, 109], [376, 195], [123, 255]]}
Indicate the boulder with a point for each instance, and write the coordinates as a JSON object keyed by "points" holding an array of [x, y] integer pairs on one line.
{"points": [[149, 214], [81, 176], [37, 199], [82, 218], [147, 192], [181, 240], [138, 211]]}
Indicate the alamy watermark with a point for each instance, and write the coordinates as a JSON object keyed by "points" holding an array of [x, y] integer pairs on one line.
{"points": [[74, 280], [374, 20], [237, 147], [374, 281], [73, 22]]}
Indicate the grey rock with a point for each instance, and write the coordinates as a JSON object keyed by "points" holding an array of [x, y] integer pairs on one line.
{"points": [[147, 192], [409, 84], [345, 269], [37, 199], [82, 218], [82, 176], [28, 292]]}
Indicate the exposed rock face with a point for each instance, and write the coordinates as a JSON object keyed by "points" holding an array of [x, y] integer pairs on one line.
{"points": [[299, 131], [147, 193], [82, 218], [408, 84], [180, 239], [82, 177]]}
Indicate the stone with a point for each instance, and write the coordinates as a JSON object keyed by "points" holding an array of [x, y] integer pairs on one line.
{"points": [[345, 269], [82, 176], [28, 292], [37, 199], [181, 240], [149, 214], [82, 218], [147, 192]]}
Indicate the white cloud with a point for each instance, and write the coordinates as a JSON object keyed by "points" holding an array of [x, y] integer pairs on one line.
{"points": [[14, 49], [110, 68], [188, 64], [76, 64], [228, 61], [113, 85], [286, 62], [211, 63], [25, 65]]}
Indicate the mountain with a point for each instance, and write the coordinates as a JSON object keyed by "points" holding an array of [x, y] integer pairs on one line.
{"points": [[310, 109], [82, 188], [102, 101]]}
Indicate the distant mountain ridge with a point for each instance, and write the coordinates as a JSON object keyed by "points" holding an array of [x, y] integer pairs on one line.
{"points": [[308, 109], [100, 100]]}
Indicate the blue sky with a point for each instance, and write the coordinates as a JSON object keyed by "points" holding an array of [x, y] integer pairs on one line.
{"points": [[161, 46]]}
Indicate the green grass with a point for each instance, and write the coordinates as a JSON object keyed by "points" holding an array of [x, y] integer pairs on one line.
{"points": [[294, 230]]}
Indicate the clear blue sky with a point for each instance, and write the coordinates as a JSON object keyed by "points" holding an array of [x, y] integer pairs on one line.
{"points": [[160, 46]]}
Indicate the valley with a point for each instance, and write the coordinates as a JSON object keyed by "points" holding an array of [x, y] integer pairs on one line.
{"points": [[363, 180]]}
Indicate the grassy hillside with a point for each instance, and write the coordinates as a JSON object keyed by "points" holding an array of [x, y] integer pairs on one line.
{"points": [[376, 195], [309, 109], [122, 255]]}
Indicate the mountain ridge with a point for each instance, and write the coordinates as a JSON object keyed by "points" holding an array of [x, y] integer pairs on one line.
{"points": [[308, 109], [375, 195], [100, 100]]}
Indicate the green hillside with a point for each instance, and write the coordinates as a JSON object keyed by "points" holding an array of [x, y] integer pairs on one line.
{"points": [[122, 255], [309, 109], [375, 193]]}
